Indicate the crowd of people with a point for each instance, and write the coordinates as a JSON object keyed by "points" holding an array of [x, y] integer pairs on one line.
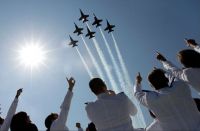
{"points": [[170, 101]]}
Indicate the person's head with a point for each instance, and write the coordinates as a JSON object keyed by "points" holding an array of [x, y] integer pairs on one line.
{"points": [[49, 119], [189, 58], [197, 101], [1, 121], [158, 79], [91, 127], [19, 121], [97, 86]]}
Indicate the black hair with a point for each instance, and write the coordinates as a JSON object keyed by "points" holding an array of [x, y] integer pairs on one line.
{"points": [[20, 121], [189, 58], [49, 120], [91, 127], [96, 85], [158, 79]]}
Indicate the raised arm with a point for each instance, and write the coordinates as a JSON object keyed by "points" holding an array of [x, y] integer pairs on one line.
{"points": [[62, 118], [138, 93], [192, 43], [11, 112], [175, 71]]}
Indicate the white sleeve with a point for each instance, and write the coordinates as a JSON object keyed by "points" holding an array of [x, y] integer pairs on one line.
{"points": [[6, 124], [176, 72], [139, 94], [62, 118], [197, 48]]}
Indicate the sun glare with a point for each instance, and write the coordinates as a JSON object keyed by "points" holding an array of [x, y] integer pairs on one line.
{"points": [[32, 55]]}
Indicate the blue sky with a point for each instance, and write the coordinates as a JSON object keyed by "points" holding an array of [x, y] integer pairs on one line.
{"points": [[142, 27]]}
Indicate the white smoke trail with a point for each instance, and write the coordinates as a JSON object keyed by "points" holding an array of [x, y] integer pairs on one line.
{"points": [[105, 65], [116, 67], [85, 64], [99, 71], [139, 115]]}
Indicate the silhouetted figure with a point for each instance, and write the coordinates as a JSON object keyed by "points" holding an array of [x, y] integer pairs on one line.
{"points": [[22, 122], [91, 127], [110, 111], [173, 106], [55, 122], [190, 59], [5, 124], [78, 125]]}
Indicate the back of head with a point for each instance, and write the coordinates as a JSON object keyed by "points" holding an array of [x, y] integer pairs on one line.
{"points": [[19, 121], [189, 58], [49, 120], [158, 79], [91, 127], [97, 86], [197, 101]]}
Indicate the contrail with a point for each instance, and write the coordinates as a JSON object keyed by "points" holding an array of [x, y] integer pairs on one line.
{"points": [[116, 67], [99, 71], [139, 115], [104, 63], [84, 63]]}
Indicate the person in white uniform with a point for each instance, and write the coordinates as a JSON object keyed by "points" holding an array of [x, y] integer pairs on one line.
{"points": [[110, 112], [190, 74], [173, 106], [55, 122], [6, 123]]}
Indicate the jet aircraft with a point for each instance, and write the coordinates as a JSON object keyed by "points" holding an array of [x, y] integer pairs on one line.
{"points": [[78, 30], [109, 27], [72, 42]]}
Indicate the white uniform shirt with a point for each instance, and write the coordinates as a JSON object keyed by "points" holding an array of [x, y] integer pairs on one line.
{"points": [[197, 48], [154, 126], [173, 107], [112, 113], [189, 75], [6, 124], [59, 123]]}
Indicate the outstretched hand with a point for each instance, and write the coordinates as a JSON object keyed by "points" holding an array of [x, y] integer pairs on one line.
{"points": [[71, 83], [191, 43], [160, 57], [19, 91], [138, 78]]}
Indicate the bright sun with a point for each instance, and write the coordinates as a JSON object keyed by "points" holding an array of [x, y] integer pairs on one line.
{"points": [[32, 55]]}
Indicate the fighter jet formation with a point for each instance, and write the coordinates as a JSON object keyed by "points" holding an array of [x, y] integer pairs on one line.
{"points": [[90, 34]]}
